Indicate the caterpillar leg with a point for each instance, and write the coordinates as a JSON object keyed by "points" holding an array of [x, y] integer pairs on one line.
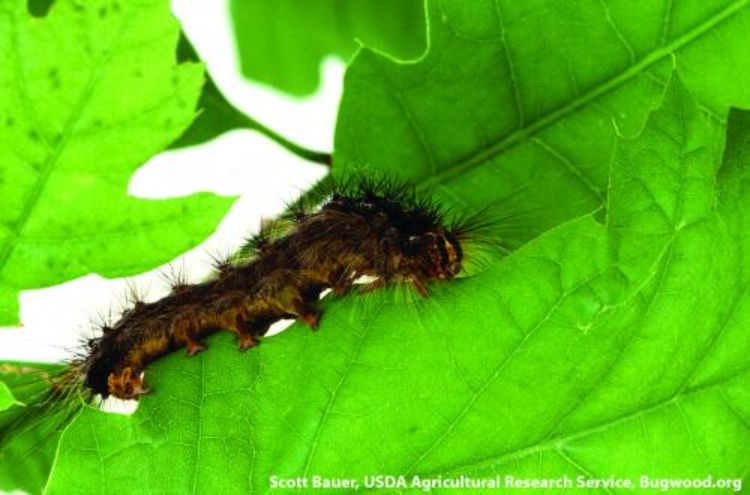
{"points": [[248, 331], [194, 346], [126, 384], [247, 340], [185, 331], [306, 313], [340, 282], [245, 335]]}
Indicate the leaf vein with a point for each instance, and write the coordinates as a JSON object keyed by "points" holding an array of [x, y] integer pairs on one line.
{"points": [[514, 138], [41, 181]]}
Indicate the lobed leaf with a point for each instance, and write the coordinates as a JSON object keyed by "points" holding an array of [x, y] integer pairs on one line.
{"points": [[514, 102], [609, 345], [579, 354], [89, 93]]}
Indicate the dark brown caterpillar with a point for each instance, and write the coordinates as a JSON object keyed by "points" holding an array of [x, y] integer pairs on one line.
{"points": [[377, 229]]}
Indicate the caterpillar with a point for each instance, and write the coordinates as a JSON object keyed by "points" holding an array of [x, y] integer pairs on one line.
{"points": [[381, 230], [370, 229]]}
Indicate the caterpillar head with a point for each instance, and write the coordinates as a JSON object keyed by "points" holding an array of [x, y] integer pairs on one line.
{"points": [[127, 384], [435, 254]]}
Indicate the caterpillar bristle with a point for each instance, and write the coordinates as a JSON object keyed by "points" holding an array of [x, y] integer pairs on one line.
{"points": [[221, 262], [257, 243], [134, 294], [175, 277], [102, 323], [270, 230]]}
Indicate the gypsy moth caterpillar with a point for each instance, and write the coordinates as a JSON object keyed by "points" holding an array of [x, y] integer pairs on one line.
{"points": [[379, 229]]}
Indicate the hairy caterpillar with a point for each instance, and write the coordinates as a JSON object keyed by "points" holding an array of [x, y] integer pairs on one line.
{"points": [[363, 228], [366, 229]]}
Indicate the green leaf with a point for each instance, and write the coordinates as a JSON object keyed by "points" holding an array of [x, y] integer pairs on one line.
{"points": [[27, 458], [6, 397], [283, 43], [517, 99], [89, 93], [28, 437], [734, 177], [601, 348]]}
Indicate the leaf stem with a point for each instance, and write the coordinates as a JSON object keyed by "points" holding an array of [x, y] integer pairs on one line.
{"points": [[321, 157], [217, 115]]}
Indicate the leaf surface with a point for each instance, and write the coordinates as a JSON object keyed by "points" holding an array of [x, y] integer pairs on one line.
{"points": [[514, 102], [556, 358], [579, 354], [6, 397], [28, 436], [89, 93], [283, 43]]}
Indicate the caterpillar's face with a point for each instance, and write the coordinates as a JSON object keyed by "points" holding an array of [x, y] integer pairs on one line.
{"points": [[126, 384], [436, 254]]}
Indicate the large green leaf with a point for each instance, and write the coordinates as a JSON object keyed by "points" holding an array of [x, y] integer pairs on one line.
{"points": [[614, 347], [89, 93], [522, 96], [282, 43], [299, 371]]}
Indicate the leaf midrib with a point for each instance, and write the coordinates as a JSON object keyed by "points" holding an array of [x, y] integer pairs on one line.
{"points": [[449, 171], [43, 176]]}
